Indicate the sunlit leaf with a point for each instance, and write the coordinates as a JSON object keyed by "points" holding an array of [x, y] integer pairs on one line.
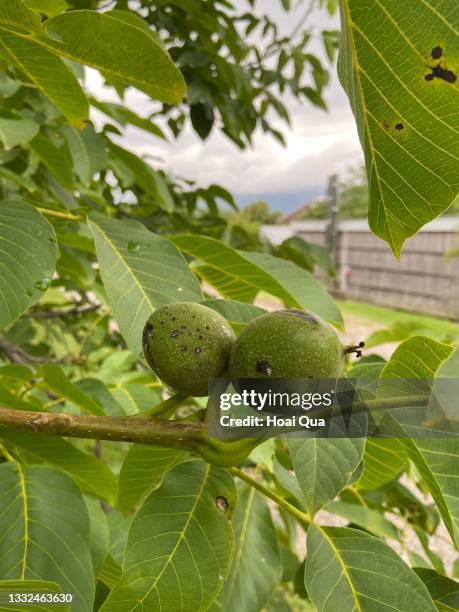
{"points": [[137, 59], [405, 97], [49, 73]]}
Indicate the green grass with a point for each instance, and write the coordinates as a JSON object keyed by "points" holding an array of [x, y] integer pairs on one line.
{"points": [[388, 317]]}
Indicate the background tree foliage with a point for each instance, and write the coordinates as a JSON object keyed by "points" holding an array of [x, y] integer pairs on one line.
{"points": [[93, 239]]}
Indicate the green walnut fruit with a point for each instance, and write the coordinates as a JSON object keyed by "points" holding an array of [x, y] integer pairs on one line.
{"points": [[287, 344], [187, 344]]}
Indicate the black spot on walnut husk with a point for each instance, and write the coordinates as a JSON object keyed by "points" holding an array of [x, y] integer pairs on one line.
{"points": [[264, 367], [436, 52]]}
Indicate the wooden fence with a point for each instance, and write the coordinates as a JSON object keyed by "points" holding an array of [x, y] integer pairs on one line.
{"points": [[422, 280]]}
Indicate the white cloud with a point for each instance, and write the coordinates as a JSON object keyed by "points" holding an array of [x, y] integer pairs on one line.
{"points": [[318, 144]]}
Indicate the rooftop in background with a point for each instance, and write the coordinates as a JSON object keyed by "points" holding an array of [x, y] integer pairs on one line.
{"points": [[298, 212]]}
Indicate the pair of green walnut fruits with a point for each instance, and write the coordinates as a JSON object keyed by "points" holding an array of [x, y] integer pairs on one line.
{"points": [[188, 344]]}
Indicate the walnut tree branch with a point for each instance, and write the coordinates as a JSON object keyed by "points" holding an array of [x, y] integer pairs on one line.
{"points": [[17, 355]]}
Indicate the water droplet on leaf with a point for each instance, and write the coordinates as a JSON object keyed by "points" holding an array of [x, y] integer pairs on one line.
{"points": [[42, 284], [133, 247]]}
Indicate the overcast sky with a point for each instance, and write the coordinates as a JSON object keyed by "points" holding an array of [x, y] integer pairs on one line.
{"points": [[318, 143]]}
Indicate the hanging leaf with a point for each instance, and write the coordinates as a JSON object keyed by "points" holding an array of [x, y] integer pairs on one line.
{"points": [[404, 96], [257, 564], [323, 466]]}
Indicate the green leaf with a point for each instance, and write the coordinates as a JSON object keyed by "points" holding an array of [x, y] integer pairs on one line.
{"points": [[349, 570], [435, 458], [56, 380], [28, 251], [178, 560], [8, 400], [443, 590], [15, 15], [44, 532], [141, 271], [49, 73], [383, 460], [99, 392], [54, 159], [370, 520], [48, 7], [17, 132], [136, 58], [141, 174], [111, 572], [99, 536], [143, 471], [306, 254], [91, 474], [444, 388], [124, 116], [323, 466], [240, 276], [87, 151], [202, 118], [30, 586], [135, 398], [404, 97], [237, 313], [257, 564]]}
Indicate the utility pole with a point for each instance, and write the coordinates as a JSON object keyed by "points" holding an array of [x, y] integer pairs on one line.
{"points": [[332, 225]]}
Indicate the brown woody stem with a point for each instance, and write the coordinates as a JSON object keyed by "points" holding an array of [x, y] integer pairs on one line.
{"points": [[184, 435]]}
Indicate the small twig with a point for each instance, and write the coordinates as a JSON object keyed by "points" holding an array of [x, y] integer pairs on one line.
{"points": [[61, 215], [61, 314], [167, 407], [17, 355], [302, 517]]}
